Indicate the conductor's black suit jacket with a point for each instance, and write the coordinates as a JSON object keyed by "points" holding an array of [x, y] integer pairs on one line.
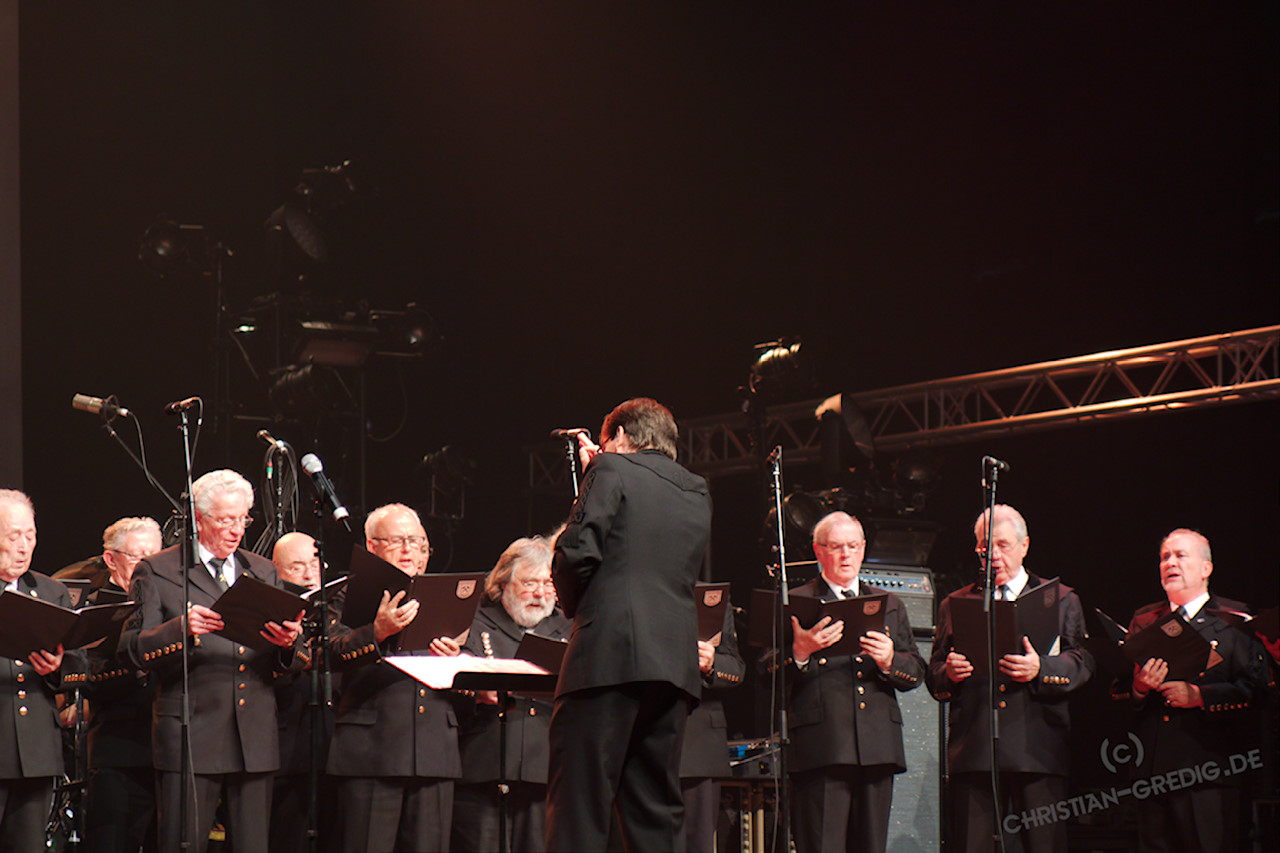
{"points": [[625, 568], [844, 710], [1034, 720], [233, 704]]}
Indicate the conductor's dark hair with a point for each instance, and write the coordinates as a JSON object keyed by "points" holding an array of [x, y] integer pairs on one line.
{"points": [[648, 424]]}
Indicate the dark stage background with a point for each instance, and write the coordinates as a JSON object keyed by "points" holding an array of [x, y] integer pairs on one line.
{"points": [[598, 201]]}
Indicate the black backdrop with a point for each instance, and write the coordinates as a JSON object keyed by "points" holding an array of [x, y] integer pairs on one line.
{"points": [[597, 201]]}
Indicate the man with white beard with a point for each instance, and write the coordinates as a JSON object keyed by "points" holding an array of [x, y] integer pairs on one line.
{"points": [[519, 597]]}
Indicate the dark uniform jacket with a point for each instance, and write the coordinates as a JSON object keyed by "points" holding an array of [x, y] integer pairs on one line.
{"points": [[120, 697], [495, 634], [625, 568], [30, 742], [1174, 738], [1034, 721], [233, 704], [387, 724], [705, 753], [844, 710]]}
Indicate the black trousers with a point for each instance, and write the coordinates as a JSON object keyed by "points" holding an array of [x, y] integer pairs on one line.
{"points": [[973, 813], [25, 805], [701, 813], [617, 747], [475, 817], [841, 809], [120, 810], [1203, 819], [248, 806], [407, 815]]}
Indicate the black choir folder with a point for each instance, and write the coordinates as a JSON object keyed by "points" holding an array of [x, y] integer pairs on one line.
{"points": [[1033, 615], [546, 652], [29, 624], [712, 600], [1175, 642], [860, 614], [249, 604], [446, 603]]}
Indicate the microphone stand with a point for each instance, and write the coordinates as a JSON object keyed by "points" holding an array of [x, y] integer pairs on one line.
{"points": [[321, 682], [781, 787], [189, 539], [990, 475]]}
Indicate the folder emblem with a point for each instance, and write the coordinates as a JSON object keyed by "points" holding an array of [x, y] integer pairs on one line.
{"points": [[872, 607], [1173, 628], [466, 589], [711, 597]]}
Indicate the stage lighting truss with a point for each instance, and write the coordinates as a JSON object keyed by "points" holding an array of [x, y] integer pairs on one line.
{"points": [[1237, 367]]}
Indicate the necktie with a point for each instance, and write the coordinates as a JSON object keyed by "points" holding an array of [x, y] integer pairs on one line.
{"points": [[848, 593], [217, 563], [1182, 612], [1002, 592]]}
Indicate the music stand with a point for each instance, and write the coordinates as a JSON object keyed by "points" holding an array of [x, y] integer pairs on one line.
{"points": [[504, 675]]}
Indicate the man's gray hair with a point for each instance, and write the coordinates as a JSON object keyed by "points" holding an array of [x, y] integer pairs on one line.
{"points": [[208, 488], [1005, 514], [1206, 553], [532, 551], [831, 520], [113, 537], [382, 512], [13, 496]]}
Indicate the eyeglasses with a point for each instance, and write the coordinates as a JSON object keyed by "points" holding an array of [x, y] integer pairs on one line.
{"points": [[843, 546], [415, 543], [132, 558], [530, 586], [227, 523]]}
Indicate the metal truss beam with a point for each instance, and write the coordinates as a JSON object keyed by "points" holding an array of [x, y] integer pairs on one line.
{"points": [[1238, 367]]}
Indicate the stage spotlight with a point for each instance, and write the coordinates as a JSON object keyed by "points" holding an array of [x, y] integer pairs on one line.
{"points": [[449, 468], [782, 370], [169, 249], [303, 232]]}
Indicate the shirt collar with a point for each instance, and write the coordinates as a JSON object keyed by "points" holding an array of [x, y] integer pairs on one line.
{"points": [[839, 590], [206, 555], [1192, 607], [1017, 584]]}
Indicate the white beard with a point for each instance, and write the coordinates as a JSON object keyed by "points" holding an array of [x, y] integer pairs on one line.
{"points": [[525, 616]]}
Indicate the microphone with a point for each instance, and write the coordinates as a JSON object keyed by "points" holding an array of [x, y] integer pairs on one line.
{"points": [[315, 470], [108, 408], [272, 440], [992, 462], [180, 405], [569, 433]]}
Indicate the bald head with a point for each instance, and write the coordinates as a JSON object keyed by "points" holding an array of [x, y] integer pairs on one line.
{"points": [[296, 560]]}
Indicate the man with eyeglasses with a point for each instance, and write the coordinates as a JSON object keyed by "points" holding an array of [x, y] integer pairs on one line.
{"points": [[518, 597], [30, 742], [234, 738], [1033, 690], [395, 742], [121, 794], [846, 726]]}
